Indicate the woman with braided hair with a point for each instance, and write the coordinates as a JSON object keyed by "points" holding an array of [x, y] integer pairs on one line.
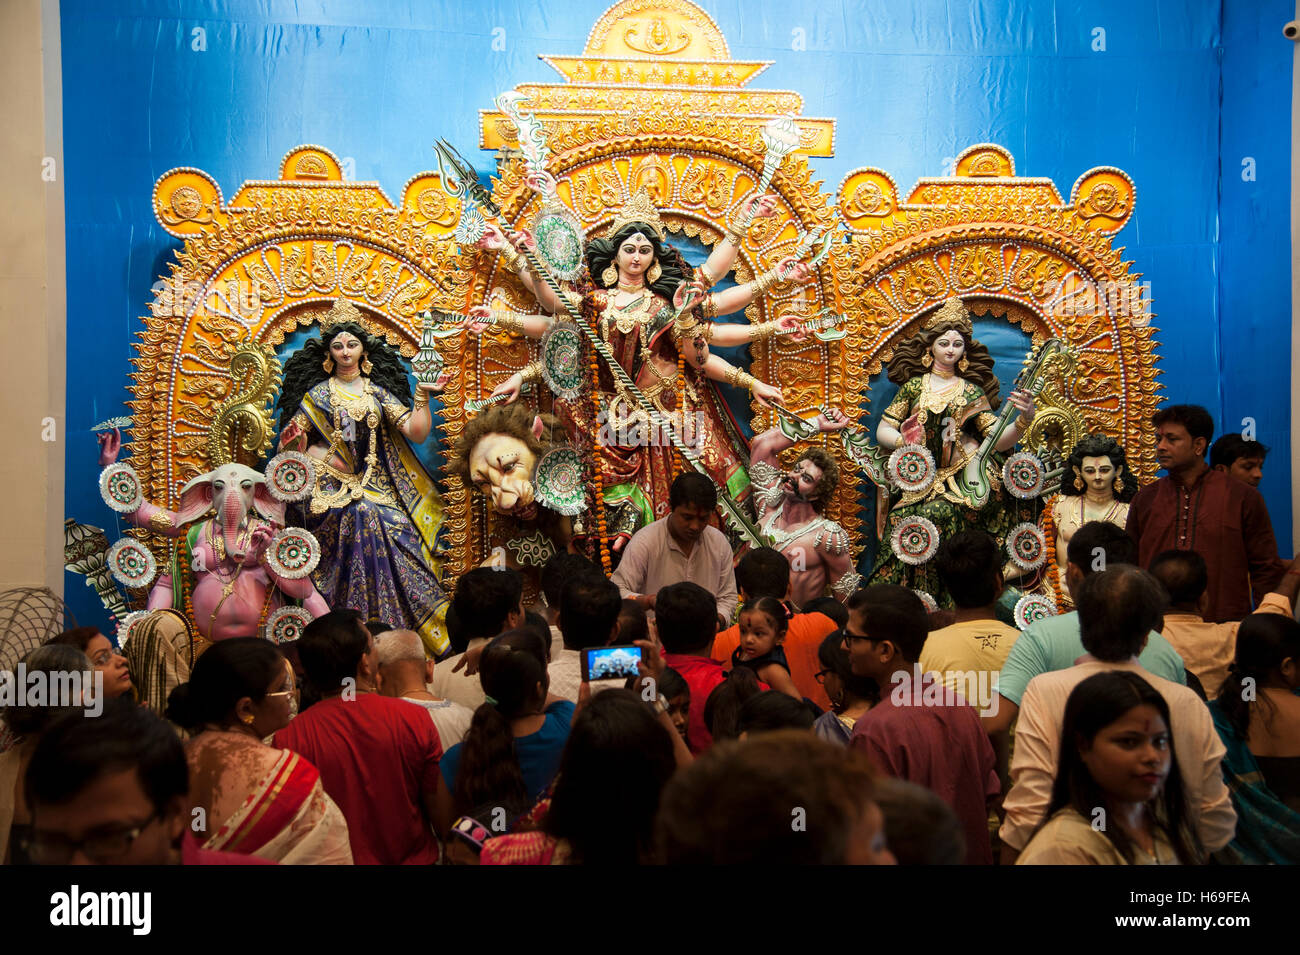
{"points": [[374, 509]]}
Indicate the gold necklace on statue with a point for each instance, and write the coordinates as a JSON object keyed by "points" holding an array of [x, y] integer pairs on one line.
{"points": [[634, 313], [933, 399], [351, 486]]}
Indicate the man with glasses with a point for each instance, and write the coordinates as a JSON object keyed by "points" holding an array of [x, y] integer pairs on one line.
{"points": [[920, 731], [113, 790]]}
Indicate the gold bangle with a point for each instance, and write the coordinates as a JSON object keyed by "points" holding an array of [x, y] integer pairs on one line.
{"points": [[421, 399], [739, 378], [532, 372], [764, 282], [512, 260], [510, 321], [765, 330], [710, 279], [686, 325]]}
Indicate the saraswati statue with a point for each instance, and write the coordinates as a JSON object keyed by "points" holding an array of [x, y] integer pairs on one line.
{"points": [[946, 443]]}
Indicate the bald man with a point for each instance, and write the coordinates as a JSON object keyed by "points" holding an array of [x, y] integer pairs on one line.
{"points": [[405, 672]]}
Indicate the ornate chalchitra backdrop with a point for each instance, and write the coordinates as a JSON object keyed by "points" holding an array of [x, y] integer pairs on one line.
{"points": [[254, 269], [654, 101]]}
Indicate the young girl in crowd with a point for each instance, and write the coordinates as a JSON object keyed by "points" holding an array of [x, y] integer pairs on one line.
{"points": [[851, 695], [763, 625], [1261, 731], [1118, 796], [512, 748]]}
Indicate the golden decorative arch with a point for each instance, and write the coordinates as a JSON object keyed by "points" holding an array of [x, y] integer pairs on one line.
{"points": [[253, 270], [1006, 244]]}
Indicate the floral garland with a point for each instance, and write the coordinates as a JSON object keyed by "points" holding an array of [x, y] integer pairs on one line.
{"points": [[681, 404], [1053, 568], [597, 481]]}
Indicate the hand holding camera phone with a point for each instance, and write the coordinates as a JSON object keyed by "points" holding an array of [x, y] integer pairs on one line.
{"points": [[610, 663]]}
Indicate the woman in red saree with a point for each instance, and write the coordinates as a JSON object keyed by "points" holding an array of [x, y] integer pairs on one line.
{"points": [[249, 797]]}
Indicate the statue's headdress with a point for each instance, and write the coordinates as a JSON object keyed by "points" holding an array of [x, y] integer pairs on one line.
{"points": [[343, 311], [954, 313], [639, 209]]}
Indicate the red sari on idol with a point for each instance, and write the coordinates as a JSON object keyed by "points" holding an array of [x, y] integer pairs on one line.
{"points": [[637, 464]]}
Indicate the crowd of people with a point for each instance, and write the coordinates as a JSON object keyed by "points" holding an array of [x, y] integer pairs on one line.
{"points": [[1157, 723]]}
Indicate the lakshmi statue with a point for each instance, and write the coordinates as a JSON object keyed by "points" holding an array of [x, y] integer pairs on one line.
{"points": [[1097, 487], [656, 315], [946, 406], [374, 508]]}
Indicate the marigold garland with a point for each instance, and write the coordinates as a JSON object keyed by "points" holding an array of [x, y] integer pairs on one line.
{"points": [[681, 405], [1053, 568], [184, 561], [597, 481]]}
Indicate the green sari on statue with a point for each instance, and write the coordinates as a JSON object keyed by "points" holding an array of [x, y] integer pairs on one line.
{"points": [[951, 418]]}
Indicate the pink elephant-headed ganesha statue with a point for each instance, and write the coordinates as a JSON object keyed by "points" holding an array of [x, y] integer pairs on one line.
{"points": [[220, 574]]}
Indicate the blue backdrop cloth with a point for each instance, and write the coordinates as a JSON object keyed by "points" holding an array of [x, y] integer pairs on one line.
{"points": [[1189, 97]]}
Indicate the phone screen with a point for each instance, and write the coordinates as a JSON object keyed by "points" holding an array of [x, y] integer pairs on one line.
{"points": [[610, 663]]}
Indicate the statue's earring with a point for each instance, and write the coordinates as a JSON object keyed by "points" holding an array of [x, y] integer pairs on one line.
{"points": [[1078, 483], [652, 275], [610, 275], [328, 365], [963, 365], [248, 719], [927, 359], [366, 367], [1118, 485]]}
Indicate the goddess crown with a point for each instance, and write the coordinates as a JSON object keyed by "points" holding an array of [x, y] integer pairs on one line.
{"points": [[343, 311], [639, 209], [953, 312]]}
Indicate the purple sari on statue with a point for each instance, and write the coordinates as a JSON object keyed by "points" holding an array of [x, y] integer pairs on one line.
{"points": [[377, 517]]}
